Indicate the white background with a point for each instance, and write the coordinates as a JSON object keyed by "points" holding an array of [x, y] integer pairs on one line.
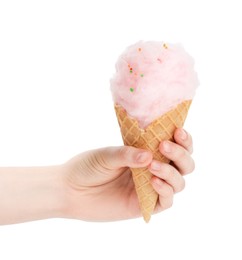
{"points": [[56, 59]]}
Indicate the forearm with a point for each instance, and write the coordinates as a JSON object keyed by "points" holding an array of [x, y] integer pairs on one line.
{"points": [[30, 193]]}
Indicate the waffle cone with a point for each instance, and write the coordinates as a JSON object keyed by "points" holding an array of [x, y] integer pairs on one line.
{"points": [[161, 129]]}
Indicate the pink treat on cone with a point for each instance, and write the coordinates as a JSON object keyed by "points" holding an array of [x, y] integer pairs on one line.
{"points": [[152, 89], [152, 78]]}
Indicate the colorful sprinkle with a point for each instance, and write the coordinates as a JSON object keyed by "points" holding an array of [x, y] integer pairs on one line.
{"points": [[130, 70], [139, 49], [142, 75], [165, 46], [131, 90]]}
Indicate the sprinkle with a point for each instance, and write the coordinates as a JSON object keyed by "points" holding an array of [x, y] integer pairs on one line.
{"points": [[139, 49], [131, 70], [165, 46], [131, 90], [142, 75], [128, 65]]}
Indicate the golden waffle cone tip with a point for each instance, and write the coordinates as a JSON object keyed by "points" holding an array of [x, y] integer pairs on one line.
{"points": [[161, 129]]}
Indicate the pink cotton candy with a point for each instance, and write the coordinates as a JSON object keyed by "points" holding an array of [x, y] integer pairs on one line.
{"points": [[152, 78]]}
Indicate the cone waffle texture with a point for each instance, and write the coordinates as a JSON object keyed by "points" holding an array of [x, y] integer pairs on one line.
{"points": [[161, 129]]}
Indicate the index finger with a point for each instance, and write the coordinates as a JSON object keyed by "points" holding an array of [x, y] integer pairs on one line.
{"points": [[180, 157], [184, 139]]}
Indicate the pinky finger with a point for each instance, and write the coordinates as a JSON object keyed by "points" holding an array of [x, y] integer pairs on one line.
{"points": [[165, 192]]}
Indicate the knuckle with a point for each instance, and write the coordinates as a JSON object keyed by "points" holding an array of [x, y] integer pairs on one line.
{"points": [[168, 192], [166, 172], [125, 152], [173, 171], [190, 149], [170, 204], [190, 140], [170, 174], [180, 154], [190, 144], [191, 167], [166, 197], [167, 204], [181, 186]]}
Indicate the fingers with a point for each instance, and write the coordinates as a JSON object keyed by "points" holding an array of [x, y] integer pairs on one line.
{"points": [[126, 156], [165, 192], [183, 138], [166, 181], [169, 174], [178, 154]]}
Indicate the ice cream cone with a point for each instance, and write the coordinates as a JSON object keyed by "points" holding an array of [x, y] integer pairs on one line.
{"points": [[161, 129]]}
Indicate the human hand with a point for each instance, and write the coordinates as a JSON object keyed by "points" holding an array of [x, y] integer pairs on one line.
{"points": [[99, 187]]}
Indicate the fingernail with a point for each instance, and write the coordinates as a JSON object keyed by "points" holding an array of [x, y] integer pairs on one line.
{"points": [[183, 134], [142, 157], [167, 146], [156, 166]]}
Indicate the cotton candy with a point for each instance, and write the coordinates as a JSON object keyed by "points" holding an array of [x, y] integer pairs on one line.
{"points": [[152, 78]]}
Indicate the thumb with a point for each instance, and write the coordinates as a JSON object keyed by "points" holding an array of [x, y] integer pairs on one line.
{"points": [[126, 156]]}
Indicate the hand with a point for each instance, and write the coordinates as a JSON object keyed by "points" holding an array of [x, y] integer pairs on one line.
{"points": [[99, 185]]}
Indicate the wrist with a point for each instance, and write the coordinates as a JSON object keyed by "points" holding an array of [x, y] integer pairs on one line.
{"points": [[56, 193], [73, 195]]}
